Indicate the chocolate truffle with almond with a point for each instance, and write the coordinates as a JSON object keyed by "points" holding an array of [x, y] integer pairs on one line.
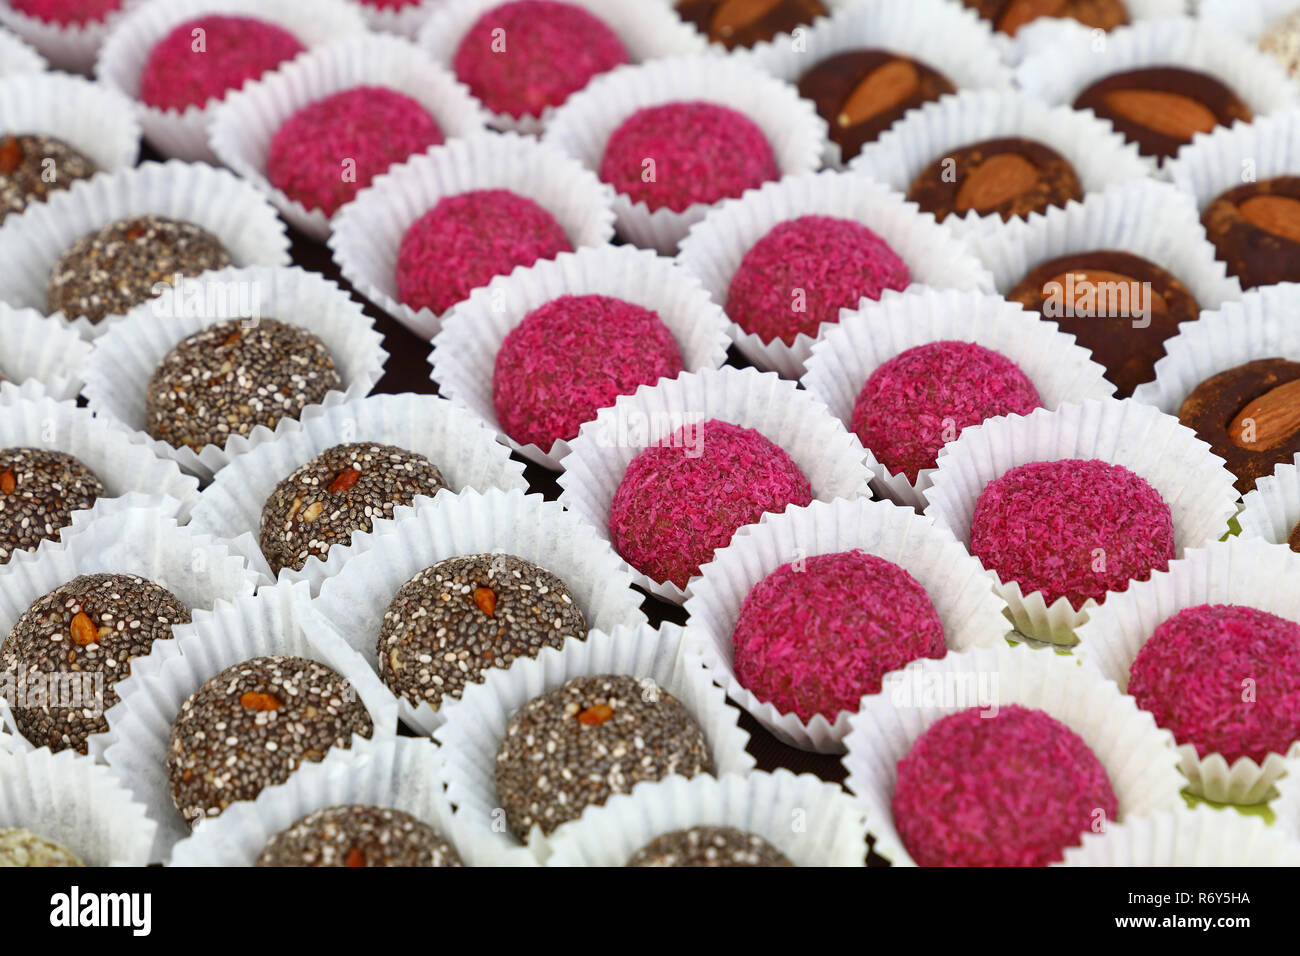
{"points": [[358, 836], [1008, 16], [39, 491], [1255, 229], [1005, 177], [736, 23], [33, 166], [709, 846]]}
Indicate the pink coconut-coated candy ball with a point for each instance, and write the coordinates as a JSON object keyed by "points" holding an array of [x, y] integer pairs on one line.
{"points": [[804, 271], [679, 154], [188, 68], [466, 240], [684, 498], [1195, 671], [1015, 789], [814, 636], [574, 356], [519, 58], [921, 399], [330, 150], [1074, 528], [67, 12]]}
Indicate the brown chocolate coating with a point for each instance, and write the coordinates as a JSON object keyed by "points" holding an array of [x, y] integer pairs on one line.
{"points": [[1255, 229], [861, 93], [736, 23], [1008, 177], [1008, 16], [1126, 342]]}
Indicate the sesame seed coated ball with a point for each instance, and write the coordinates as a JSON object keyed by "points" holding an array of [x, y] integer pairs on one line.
{"points": [[39, 491], [23, 848], [709, 846], [358, 836], [25, 162]]}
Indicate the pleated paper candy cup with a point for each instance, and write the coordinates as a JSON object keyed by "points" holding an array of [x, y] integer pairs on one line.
{"points": [[1135, 753], [475, 725], [38, 349], [830, 458], [72, 47], [1285, 806], [364, 578], [245, 123], [1246, 20], [16, 57], [583, 126], [400, 19], [464, 450], [971, 614], [1197, 837], [813, 823], [465, 351], [124, 358], [1272, 509], [1049, 32], [368, 231]]}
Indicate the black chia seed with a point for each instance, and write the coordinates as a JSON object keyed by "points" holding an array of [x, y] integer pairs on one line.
{"points": [[39, 491]]}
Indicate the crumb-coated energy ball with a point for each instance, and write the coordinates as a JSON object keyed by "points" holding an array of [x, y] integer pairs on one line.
{"points": [[681, 500], [452, 622], [813, 637], [522, 57], [358, 836], [328, 151], [468, 239], [251, 726], [39, 491], [588, 739], [86, 632], [67, 12], [1011, 787], [678, 154], [20, 847], [804, 271], [115, 268], [922, 398], [230, 377], [34, 166], [1074, 528], [709, 846], [205, 58], [572, 357], [1194, 672]]}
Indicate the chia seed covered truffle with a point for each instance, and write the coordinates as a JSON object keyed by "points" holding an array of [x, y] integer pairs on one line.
{"points": [[453, 621], [24, 848], [230, 377], [1075, 529], [251, 726], [1011, 788], [39, 491], [111, 270], [86, 634], [574, 356], [67, 12], [342, 490], [25, 160], [358, 836], [709, 846], [588, 739]]}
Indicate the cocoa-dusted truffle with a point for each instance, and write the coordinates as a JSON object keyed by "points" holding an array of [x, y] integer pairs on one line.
{"points": [[709, 846], [590, 738], [86, 632], [453, 621], [745, 24], [33, 166], [111, 270], [1255, 229], [232, 376], [358, 836], [39, 491], [342, 490], [1008, 16], [1006, 177], [23, 848], [67, 12], [251, 725]]}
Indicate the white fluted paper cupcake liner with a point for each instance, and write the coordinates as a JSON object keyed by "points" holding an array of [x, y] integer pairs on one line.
{"points": [[833, 461], [1285, 806], [846, 355], [1048, 32], [1271, 509], [183, 134], [649, 31], [37, 348], [245, 123], [475, 724], [464, 352], [124, 359], [71, 47], [402, 21], [1197, 837], [16, 57], [1141, 767], [1232, 156], [812, 822], [464, 450], [583, 125], [362, 579], [1194, 483], [971, 614], [368, 231]]}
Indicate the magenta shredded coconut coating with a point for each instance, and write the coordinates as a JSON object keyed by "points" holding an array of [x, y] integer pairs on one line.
{"points": [[1223, 678], [701, 152], [574, 356], [814, 636], [919, 400], [466, 240], [234, 50], [682, 499], [1072, 528], [805, 270], [552, 50], [1015, 789], [67, 12], [368, 127]]}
